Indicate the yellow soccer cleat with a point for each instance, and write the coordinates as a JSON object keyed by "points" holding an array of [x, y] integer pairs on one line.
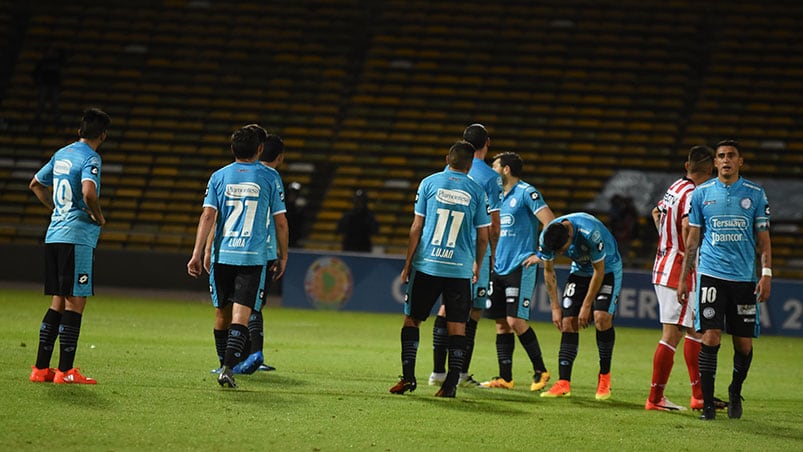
{"points": [[498, 382], [539, 380]]}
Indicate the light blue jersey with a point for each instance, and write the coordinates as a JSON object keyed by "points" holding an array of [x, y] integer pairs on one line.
{"points": [[591, 243], [519, 227], [272, 225], [489, 180], [66, 171], [728, 217], [245, 196], [453, 206]]}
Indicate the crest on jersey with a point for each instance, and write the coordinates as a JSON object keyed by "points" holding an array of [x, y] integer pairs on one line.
{"points": [[513, 202], [746, 203]]}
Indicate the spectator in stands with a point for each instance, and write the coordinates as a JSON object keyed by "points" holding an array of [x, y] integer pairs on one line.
{"points": [[732, 217], [592, 289], [239, 198], [47, 79], [358, 224], [74, 174], [447, 243], [623, 221], [671, 220], [296, 213]]}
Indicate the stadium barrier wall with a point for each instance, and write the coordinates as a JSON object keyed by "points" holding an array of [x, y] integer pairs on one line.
{"points": [[365, 282], [372, 283], [117, 268]]}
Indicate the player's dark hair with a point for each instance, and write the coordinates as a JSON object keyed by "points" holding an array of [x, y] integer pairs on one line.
{"points": [[555, 236], [461, 154], [263, 134], [476, 135], [730, 142], [513, 160], [245, 142], [274, 147], [699, 158], [93, 123]]}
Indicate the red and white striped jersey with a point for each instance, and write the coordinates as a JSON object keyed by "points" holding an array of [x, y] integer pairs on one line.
{"points": [[669, 257]]}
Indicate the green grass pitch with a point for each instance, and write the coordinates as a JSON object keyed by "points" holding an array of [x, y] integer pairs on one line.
{"points": [[152, 359]]}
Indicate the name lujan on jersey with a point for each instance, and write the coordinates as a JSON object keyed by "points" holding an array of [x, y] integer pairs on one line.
{"points": [[449, 197]]}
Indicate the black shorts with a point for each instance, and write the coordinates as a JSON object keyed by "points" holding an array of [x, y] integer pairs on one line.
{"points": [[423, 292], [727, 305], [241, 284], [576, 288], [69, 270], [512, 294]]}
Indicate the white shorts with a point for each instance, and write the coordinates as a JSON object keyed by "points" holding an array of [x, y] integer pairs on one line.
{"points": [[672, 312]]}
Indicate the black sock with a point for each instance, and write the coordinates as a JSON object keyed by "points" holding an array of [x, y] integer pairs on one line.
{"points": [[708, 371], [255, 331], [605, 341], [741, 364], [505, 344], [457, 353], [568, 352], [48, 332], [471, 332], [235, 345], [440, 337], [221, 337], [409, 350], [69, 330], [530, 343]]}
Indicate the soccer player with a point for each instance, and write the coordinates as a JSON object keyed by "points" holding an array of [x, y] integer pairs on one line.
{"points": [[240, 201], [444, 256], [69, 185], [272, 157], [593, 286], [671, 220], [732, 217], [491, 182], [523, 210]]}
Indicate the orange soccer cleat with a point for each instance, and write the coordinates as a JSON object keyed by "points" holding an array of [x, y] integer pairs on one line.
{"points": [[42, 375], [604, 387], [74, 377], [562, 388]]}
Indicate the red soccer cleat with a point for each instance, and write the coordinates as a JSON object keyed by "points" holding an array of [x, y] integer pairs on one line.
{"points": [[42, 375], [72, 376]]}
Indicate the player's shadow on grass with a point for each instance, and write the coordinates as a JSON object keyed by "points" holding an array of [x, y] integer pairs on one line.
{"points": [[470, 405], [78, 395]]}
